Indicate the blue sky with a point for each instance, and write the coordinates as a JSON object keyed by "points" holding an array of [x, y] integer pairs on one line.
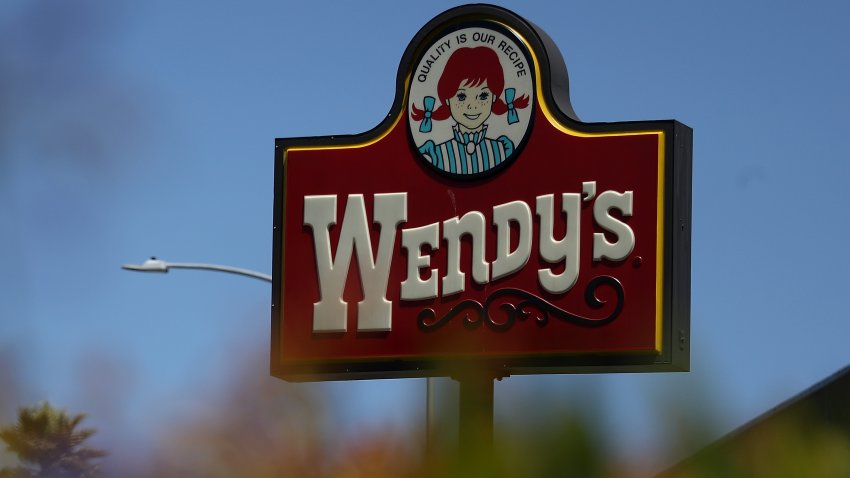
{"points": [[136, 129]]}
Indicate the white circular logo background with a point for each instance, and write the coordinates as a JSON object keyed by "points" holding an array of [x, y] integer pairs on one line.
{"points": [[505, 131]]}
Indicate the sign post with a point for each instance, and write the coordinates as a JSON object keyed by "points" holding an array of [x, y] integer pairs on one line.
{"points": [[475, 412], [482, 227]]}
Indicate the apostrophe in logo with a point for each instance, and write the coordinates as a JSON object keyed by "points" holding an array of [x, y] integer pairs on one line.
{"points": [[471, 100]]}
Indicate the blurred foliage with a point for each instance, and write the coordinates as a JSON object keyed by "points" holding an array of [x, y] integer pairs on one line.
{"points": [[49, 444], [264, 427]]}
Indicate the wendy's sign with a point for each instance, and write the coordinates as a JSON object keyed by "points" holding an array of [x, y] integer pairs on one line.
{"points": [[482, 224]]}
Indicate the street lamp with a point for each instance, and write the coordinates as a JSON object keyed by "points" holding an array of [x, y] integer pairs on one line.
{"points": [[158, 265]]}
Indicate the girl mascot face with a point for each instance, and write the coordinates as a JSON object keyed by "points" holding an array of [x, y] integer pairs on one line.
{"points": [[471, 105], [470, 89]]}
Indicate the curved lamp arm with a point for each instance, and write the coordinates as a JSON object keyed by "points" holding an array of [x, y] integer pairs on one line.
{"points": [[157, 265]]}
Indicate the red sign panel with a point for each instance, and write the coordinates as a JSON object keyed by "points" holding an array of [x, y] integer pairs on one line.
{"points": [[482, 223]]}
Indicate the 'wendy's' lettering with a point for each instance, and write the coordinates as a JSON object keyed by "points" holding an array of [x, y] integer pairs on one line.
{"points": [[374, 312]]}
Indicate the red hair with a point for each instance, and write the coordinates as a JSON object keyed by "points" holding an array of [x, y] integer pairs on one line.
{"points": [[472, 66]]}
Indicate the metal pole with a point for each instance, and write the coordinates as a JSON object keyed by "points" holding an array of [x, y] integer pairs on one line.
{"points": [[475, 434], [430, 418], [157, 265]]}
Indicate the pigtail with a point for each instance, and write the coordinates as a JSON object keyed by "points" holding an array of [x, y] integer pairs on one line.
{"points": [[500, 107], [441, 113], [428, 113]]}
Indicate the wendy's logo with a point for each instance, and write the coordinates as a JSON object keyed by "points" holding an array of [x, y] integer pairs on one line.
{"points": [[481, 225], [471, 101]]}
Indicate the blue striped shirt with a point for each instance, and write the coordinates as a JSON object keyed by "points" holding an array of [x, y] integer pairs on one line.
{"points": [[468, 153]]}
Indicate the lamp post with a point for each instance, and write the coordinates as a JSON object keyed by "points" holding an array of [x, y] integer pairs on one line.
{"points": [[158, 265]]}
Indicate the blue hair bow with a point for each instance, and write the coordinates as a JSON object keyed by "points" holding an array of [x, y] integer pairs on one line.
{"points": [[513, 117], [428, 104]]}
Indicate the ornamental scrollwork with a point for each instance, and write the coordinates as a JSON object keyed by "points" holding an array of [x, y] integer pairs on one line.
{"points": [[517, 305]]}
